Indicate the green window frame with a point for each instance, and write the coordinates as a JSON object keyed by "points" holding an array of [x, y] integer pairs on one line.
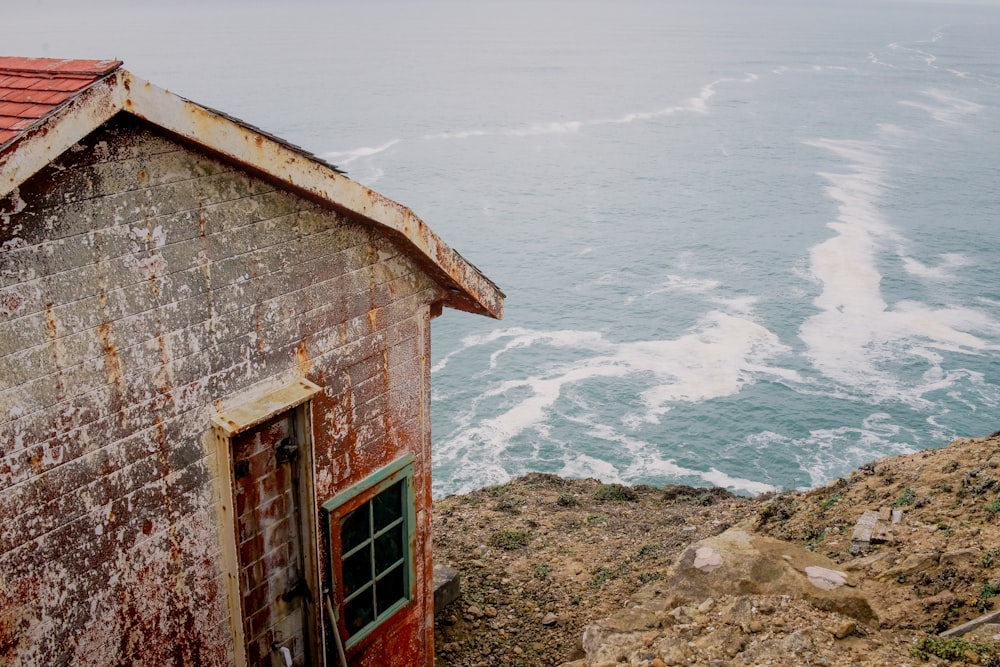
{"points": [[371, 531]]}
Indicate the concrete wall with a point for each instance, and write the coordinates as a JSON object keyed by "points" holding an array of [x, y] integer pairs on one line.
{"points": [[143, 286]]}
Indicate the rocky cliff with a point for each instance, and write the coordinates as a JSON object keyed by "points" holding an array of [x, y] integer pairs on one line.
{"points": [[873, 569]]}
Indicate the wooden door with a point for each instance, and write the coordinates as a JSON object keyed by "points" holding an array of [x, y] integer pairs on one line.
{"points": [[274, 562]]}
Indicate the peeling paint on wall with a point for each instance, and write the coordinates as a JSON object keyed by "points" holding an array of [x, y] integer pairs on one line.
{"points": [[142, 286]]}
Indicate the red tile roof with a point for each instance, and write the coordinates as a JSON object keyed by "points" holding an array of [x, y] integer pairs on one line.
{"points": [[33, 88]]}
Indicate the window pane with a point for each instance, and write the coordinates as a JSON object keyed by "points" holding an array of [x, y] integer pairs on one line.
{"points": [[390, 589], [357, 571], [388, 548], [354, 529], [359, 612], [388, 505]]}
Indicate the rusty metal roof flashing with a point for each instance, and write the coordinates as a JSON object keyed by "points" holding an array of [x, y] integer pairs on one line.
{"points": [[105, 90]]}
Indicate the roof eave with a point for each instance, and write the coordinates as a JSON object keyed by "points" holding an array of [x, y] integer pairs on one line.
{"points": [[466, 288], [56, 133]]}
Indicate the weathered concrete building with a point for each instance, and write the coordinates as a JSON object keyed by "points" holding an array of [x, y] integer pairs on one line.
{"points": [[214, 388]]}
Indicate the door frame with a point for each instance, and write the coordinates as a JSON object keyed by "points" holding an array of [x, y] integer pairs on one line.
{"points": [[247, 412]]}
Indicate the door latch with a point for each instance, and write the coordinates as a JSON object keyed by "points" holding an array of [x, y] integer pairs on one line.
{"points": [[286, 451]]}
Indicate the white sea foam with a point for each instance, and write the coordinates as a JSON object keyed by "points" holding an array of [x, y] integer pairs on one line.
{"points": [[824, 455], [344, 158], [676, 284], [944, 107], [720, 356], [785, 69], [943, 271], [874, 60], [696, 104], [718, 478], [857, 333]]}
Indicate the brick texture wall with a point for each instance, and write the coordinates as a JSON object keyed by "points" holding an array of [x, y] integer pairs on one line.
{"points": [[143, 285]]}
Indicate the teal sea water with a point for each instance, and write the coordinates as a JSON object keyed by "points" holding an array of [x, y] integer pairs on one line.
{"points": [[744, 244]]}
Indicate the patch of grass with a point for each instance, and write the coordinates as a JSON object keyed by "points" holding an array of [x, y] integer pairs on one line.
{"points": [[567, 500], [596, 518], [816, 538], [509, 505], [993, 507], [706, 499], [828, 503], [603, 575], [908, 497], [987, 591], [616, 493], [951, 648], [990, 557], [648, 550], [647, 577], [780, 508], [509, 540], [542, 570]]}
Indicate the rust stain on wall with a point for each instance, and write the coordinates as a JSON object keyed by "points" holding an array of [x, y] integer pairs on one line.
{"points": [[302, 359], [112, 362], [136, 558]]}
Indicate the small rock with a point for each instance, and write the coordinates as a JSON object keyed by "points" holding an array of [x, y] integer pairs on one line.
{"points": [[755, 626], [550, 619], [657, 662], [825, 578], [845, 629]]}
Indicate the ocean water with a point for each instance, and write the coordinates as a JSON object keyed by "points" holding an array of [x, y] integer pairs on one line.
{"points": [[744, 244]]}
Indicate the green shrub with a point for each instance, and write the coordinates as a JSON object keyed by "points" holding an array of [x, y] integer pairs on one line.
{"points": [[908, 497], [508, 540], [567, 500], [951, 648], [987, 591], [615, 492]]}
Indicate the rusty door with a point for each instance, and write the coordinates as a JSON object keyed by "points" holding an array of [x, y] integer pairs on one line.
{"points": [[272, 550]]}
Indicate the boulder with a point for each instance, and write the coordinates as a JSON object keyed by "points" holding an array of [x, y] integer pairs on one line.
{"points": [[737, 562]]}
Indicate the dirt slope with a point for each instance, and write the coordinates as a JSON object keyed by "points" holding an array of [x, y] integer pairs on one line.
{"points": [[540, 557]]}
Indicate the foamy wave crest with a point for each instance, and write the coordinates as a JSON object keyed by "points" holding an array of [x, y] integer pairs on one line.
{"points": [[675, 283], [785, 69], [647, 463], [943, 271], [858, 337], [696, 104], [874, 60], [928, 58], [824, 455], [723, 354], [948, 108], [344, 158], [726, 354]]}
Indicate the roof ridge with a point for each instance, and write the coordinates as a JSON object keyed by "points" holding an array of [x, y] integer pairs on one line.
{"points": [[13, 65]]}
